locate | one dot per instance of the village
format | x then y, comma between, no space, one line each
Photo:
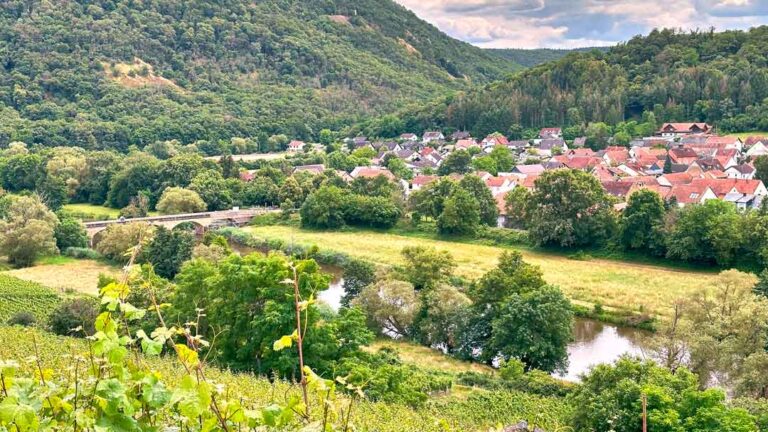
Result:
685,163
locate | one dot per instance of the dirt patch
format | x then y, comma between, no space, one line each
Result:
408,47
339,19
136,75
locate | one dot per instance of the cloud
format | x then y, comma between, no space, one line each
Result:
574,23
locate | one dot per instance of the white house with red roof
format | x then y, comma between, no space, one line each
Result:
499,185
672,130
296,146
551,133
432,136
371,172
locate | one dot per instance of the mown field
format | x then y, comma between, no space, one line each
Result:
616,284
90,212
67,275
475,411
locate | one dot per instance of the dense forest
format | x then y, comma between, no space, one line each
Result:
110,74
535,57
721,78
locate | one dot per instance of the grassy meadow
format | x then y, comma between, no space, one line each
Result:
744,135
621,285
66,274
91,212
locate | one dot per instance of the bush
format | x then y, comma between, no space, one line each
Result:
24,319
82,253
70,233
74,317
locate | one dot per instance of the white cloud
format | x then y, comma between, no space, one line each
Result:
574,23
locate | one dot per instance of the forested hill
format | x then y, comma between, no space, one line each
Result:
111,73
720,78
535,57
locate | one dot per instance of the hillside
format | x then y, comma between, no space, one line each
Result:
534,57
103,74
721,78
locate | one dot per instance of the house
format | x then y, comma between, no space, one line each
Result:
619,189
743,171
709,164
494,140
551,133
460,135
722,187
359,141
517,145
389,146
743,202
616,155
691,194
580,142
499,185
312,169
683,155
466,143
727,157
756,146
420,181
248,175
409,137
681,129
296,146
432,136
585,163
528,170
501,205
675,179
581,152
371,172
550,146
725,142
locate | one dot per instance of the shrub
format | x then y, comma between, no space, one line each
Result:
24,319
74,317
82,253
70,233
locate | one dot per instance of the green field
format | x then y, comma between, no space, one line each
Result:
90,212
478,410
17,295
621,285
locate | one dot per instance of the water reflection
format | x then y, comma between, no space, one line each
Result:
595,343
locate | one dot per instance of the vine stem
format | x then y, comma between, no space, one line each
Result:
300,340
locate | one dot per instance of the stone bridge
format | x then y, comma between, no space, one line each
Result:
201,221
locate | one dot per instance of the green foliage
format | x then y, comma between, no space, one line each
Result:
477,189
357,275
248,295
17,295
458,162
117,240
27,231
710,232
640,222
569,208
324,208
426,267
282,68
168,250
610,399
70,233
74,317
178,200
461,214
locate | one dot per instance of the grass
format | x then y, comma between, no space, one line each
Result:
65,274
254,157
426,357
90,212
625,286
473,411
744,135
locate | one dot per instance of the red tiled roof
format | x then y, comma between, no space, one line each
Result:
678,178
687,194
496,181
722,187
423,180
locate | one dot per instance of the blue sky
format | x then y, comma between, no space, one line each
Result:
578,23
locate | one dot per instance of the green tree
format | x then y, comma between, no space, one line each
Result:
27,231
761,168
489,212
444,312
515,204
503,157
324,208
248,296
458,162
426,267
610,398
639,226
117,240
212,188
291,190
358,274
168,250
70,232
569,208
461,214
178,200
710,232
391,307
597,135
21,172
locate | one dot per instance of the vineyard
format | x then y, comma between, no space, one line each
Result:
18,295
477,411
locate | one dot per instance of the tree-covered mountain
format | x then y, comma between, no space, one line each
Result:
111,73
534,57
721,78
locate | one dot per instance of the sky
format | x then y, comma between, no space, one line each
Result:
579,23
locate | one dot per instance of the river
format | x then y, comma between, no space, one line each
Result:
593,343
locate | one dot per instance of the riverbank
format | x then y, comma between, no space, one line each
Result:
613,286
